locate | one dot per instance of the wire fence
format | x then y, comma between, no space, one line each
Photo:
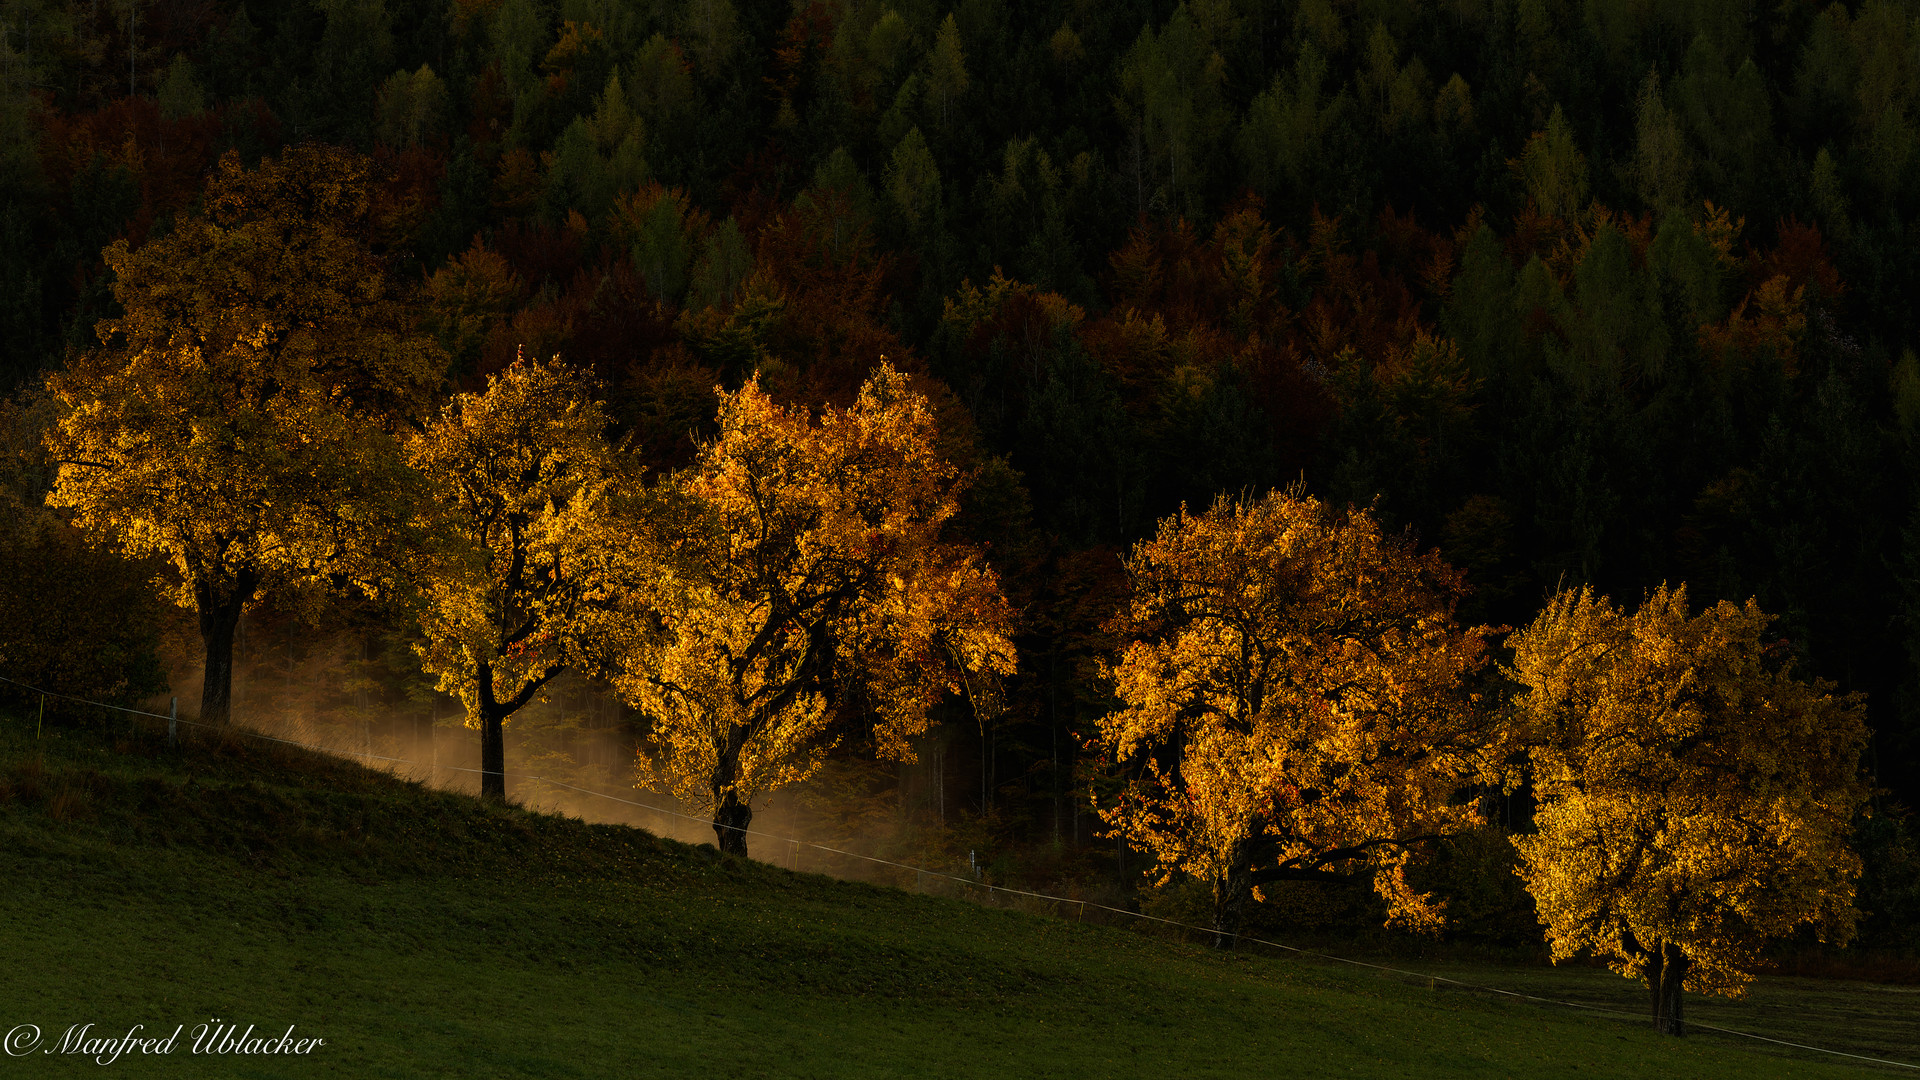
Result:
986,889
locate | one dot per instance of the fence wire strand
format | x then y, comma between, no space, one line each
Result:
1084,905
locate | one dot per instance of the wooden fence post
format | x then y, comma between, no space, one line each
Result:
173,721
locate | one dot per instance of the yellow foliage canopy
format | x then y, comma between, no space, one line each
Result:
235,420
521,539
1293,705
810,560
280,269
230,420
1696,798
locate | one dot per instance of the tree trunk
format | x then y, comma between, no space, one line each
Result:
1666,973
730,816
730,820
493,740
1230,892
219,616
493,756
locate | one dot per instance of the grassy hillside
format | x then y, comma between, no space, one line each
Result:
423,934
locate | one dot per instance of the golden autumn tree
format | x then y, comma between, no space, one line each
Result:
236,420
1696,797
807,568
1292,704
521,534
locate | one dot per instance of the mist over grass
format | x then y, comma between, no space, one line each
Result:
357,692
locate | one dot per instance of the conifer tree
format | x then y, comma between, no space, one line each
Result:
947,80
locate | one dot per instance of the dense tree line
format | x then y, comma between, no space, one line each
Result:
1601,294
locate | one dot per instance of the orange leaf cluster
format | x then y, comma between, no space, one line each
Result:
806,557
1293,707
1696,797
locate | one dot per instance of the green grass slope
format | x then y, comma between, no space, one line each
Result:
421,934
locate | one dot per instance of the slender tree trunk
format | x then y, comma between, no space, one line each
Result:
1230,892
1666,973
731,817
219,616
493,740
493,756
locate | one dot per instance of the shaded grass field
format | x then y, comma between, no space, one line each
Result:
425,934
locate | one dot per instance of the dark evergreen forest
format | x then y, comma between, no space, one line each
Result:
1606,292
